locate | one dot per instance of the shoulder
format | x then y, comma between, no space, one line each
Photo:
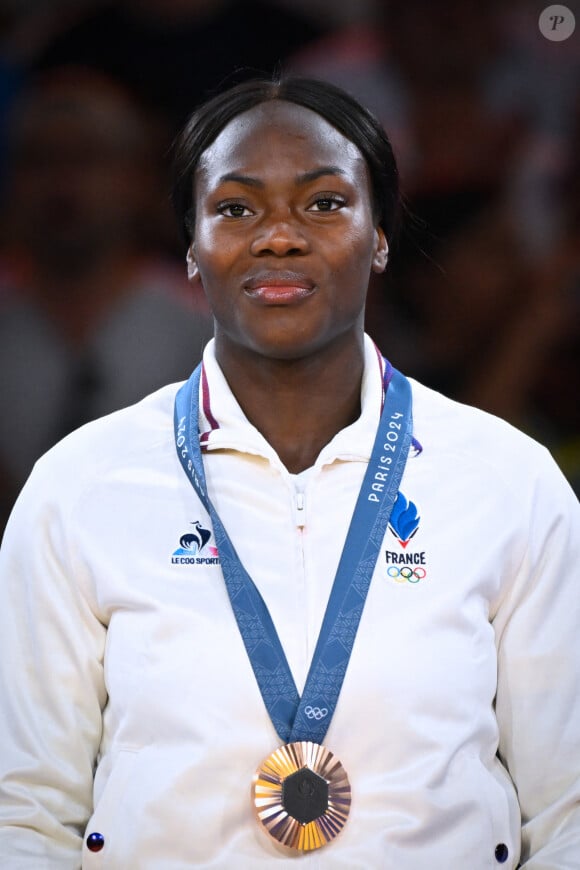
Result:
449,424
477,471
461,439
136,437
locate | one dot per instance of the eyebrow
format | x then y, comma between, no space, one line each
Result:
313,174
303,178
241,179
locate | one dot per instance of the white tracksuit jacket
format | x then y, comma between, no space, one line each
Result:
459,718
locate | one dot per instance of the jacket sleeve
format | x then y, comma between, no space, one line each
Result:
51,684
538,695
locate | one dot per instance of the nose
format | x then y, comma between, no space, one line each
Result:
280,237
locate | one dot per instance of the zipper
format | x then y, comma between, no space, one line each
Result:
299,510
299,504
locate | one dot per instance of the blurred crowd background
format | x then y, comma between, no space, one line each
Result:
482,295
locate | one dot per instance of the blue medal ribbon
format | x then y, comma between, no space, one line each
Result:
309,717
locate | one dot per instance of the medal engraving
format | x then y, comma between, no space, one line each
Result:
301,795
305,795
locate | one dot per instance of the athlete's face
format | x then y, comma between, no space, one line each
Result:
284,239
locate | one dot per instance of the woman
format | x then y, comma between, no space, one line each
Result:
137,642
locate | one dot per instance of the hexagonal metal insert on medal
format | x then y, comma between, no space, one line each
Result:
305,795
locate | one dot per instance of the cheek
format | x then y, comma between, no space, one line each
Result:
353,254
208,258
216,253
360,235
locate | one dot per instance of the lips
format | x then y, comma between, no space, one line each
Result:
279,288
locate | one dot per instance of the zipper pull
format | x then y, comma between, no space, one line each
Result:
299,511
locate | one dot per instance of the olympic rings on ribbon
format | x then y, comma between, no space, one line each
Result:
315,712
406,574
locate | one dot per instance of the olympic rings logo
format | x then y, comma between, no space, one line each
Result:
406,574
315,712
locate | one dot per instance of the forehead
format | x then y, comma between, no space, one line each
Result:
276,135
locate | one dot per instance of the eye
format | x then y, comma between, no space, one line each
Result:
233,210
327,203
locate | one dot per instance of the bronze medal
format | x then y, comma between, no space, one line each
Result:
301,796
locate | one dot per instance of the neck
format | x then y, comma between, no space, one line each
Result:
297,405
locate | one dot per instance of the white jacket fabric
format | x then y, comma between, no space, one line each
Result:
459,718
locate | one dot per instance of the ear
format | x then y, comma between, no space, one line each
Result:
381,254
192,270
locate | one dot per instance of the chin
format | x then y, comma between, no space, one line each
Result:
290,341
293,346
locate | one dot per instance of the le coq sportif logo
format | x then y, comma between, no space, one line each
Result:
195,548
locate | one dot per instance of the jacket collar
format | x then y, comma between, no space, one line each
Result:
223,424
